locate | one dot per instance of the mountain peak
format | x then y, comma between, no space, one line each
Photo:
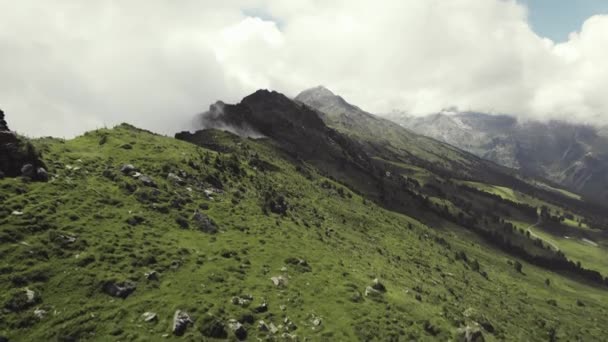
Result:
324,100
315,94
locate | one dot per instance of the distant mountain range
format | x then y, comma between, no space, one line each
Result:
575,156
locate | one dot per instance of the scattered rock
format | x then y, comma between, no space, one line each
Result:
213,327
273,328
61,239
135,220
238,329
261,308
182,223
128,169
147,181
289,325
28,171
262,326
247,319
175,264
289,337
371,292
39,313
181,320
30,295
378,286
204,223
242,300
175,179
316,321
126,147
152,275
42,175
431,328
471,334
279,281
300,265
120,290
21,300
149,316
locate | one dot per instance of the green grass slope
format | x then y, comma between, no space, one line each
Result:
222,225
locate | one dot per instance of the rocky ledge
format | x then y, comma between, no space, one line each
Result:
18,157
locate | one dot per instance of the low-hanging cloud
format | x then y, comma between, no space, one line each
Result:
214,118
69,66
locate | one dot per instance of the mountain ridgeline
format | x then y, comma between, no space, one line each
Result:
409,173
293,219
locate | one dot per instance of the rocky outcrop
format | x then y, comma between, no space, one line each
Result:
17,156
3,124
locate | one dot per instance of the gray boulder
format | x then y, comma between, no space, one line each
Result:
149,316
238,329
279,281
39,313
152,275
128,169
42,175
147,181
175,179
204,223
181,320
470,334
28,171
120,290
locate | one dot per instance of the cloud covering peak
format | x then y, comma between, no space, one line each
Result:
70,66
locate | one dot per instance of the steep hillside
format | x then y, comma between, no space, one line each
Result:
143,237
575,156
436,194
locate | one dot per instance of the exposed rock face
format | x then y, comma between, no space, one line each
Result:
16,155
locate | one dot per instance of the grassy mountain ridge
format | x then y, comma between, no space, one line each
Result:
308,231
441,282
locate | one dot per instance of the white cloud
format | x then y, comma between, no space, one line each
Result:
69,66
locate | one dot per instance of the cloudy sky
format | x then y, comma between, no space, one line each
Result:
67,66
